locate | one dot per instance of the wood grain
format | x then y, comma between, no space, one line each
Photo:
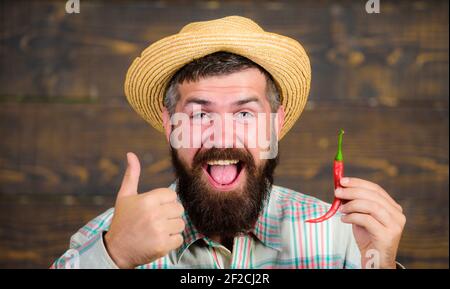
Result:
65,126
48,55
36,229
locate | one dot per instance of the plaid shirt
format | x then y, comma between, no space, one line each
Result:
280,239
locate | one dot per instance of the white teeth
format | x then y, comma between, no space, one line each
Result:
222,162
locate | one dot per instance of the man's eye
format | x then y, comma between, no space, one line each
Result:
244,115
200,115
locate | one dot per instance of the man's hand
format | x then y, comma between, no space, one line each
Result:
378,221
145,226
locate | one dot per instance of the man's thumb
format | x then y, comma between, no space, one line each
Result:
131,178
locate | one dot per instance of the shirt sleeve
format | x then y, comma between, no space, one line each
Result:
352,253
87,249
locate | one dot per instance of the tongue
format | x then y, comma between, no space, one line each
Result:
223,175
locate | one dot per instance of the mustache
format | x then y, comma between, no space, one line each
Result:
214,154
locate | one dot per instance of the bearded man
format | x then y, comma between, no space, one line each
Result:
224,92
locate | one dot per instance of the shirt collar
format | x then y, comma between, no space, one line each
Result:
267,227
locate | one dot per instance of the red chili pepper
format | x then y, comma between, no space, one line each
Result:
338,170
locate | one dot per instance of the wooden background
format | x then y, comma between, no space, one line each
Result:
65,125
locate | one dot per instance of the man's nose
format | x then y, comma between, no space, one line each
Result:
224,131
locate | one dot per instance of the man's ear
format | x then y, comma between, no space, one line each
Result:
280,119
166,123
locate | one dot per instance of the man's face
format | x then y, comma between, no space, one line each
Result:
223,180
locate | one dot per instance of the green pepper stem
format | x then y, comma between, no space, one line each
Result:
339,156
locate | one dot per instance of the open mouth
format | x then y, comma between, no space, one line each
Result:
224,174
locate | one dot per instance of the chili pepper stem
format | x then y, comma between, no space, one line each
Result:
339,156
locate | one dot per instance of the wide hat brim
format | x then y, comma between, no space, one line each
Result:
283,57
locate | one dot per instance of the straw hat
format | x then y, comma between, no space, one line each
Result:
283,57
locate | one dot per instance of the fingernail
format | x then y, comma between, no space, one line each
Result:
129,157
338,191
344,181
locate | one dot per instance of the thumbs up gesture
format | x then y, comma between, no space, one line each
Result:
145,226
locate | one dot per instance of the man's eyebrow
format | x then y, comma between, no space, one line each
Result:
196,100
247,100
201,101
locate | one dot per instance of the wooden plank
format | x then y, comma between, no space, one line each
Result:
76,149
36,229
392,59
